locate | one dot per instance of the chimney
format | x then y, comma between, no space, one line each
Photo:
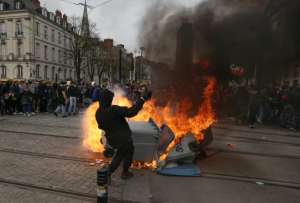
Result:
108,43
36,4
58,13
65,17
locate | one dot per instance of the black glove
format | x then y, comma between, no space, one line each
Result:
147,95
109,152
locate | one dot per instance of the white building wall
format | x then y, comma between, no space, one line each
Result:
31,58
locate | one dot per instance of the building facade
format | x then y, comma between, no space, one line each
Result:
35,44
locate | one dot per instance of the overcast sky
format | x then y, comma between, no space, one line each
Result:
118,19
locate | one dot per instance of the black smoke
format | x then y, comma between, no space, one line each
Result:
261,35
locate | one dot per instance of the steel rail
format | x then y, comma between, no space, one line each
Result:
252,140
40,134
78,195
283,134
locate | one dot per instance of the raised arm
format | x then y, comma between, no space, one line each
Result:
132,111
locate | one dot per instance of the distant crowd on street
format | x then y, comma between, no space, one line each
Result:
274,105
62,99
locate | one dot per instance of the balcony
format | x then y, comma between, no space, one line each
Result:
3,38
19,35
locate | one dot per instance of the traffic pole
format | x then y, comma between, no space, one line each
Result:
102,184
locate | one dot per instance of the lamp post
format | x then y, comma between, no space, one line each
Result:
102,185
120,65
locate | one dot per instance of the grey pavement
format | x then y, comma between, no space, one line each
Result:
42,160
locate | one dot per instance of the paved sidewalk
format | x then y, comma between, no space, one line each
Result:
42,160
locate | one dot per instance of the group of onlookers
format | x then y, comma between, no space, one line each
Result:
279,105
64,98
32,97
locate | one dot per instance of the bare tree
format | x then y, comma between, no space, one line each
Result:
76,46
84,49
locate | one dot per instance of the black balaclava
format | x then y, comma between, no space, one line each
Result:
106,98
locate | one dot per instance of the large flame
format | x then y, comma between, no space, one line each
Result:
92,134
175,116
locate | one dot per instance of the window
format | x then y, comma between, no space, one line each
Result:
18,5
19,28
70,59
59,56
37,29
65,74
2,27
46,52
3,71
37,71
44,12
53,35
46,73
65,57
53,54
59,38
19,72
53,73
58,74
70,43
2,50
2,6
19,50
70,73
58,20
46,32
52,16
38,50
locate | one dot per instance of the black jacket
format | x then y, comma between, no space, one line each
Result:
112,120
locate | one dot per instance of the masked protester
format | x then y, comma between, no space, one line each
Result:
111,119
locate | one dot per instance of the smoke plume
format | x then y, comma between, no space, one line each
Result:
261,35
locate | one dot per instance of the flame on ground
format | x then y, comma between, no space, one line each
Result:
174,116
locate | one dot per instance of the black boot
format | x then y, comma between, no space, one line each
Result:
126,175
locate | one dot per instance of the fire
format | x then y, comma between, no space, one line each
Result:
92,134
174,116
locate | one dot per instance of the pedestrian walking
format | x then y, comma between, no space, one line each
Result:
72,93
61,99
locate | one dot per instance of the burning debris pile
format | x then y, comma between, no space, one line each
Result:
175,117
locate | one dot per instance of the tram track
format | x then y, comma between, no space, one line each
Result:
282,134
251,179
46,155
252,140
270,155
60,191
40,134
88,196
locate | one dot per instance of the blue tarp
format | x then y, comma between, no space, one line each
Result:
187,170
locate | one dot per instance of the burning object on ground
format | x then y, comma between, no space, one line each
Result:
180,161
183,134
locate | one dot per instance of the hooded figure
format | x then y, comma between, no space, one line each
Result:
112,120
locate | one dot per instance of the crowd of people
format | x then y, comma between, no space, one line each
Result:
31,97
279,105
276,105
62,99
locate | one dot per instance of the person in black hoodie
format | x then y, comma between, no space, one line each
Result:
111,119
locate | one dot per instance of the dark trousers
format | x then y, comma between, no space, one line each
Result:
252,115
26,108
124,153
